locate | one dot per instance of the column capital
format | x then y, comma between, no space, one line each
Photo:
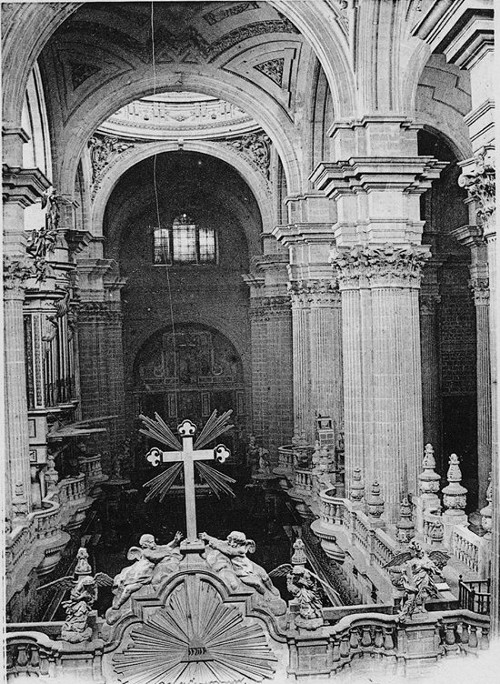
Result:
478,178
318,292
23,186
379,266
16,271
480,288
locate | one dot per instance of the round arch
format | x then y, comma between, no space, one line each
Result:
250,175
97,109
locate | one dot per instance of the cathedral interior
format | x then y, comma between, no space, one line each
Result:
249,277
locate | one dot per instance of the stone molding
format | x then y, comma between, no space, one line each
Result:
98,311
382,266
479,181
24,186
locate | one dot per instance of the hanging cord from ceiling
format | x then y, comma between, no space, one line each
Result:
157,206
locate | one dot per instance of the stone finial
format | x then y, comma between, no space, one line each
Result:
50,473
454,495
357,486
487,511
428,478
374,501
436,532
299,555
405,526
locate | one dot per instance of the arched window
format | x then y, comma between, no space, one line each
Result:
185,242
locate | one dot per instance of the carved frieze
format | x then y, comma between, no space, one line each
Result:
266,308
218,15
104,150
480,184
255,147
385,265
273,69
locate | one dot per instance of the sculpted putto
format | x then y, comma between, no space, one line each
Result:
229,559
152,563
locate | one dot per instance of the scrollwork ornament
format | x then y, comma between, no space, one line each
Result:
16,270
480,184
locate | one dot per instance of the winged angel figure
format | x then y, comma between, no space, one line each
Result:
414,572
82,596
305,586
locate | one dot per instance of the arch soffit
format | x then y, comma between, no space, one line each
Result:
251,177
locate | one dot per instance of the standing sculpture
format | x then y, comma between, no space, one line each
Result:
83,594
414,572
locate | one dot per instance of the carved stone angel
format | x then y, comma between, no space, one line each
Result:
82,596
304,585
151,561
414,572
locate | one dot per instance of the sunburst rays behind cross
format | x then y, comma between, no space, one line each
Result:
184,457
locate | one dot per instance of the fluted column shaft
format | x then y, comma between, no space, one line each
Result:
271,326
326,350
382,370
431,400
16,407
303,420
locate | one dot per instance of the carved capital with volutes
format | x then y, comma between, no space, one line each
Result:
16,270
429,303
384,266
480,288
480,184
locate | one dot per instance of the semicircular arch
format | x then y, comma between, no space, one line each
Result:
250,175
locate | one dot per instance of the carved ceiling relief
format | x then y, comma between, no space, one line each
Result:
273,69
104,151
256,147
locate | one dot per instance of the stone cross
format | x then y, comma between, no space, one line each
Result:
188,456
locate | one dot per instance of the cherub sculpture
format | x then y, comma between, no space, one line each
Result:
414,571
264,462
151,562
83,594
229,559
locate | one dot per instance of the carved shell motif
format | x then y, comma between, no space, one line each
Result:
196,638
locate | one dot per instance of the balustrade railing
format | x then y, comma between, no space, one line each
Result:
475,595
465,546
302,479
285,459
72,488
47,521
31,654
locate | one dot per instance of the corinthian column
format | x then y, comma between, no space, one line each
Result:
15,272
382,372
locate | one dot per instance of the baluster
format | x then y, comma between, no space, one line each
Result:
336,649
464,634
388,638
35,657
11,656
379,638
44,665
354,640
22,655
472,636
485,638
344,645
366,639
449,635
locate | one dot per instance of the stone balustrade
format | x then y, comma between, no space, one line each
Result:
72,488
340,643
47,522
302,480
471,550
